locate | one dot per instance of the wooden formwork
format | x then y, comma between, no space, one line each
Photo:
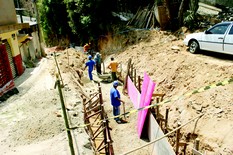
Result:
97,124
161,119
95,119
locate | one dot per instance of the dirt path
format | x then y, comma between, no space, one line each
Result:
23,116
29,124
124,136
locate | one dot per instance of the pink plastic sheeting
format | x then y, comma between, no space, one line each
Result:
147,91
133,93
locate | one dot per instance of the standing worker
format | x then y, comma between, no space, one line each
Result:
97,59
87,47
113,66
91,65
116,102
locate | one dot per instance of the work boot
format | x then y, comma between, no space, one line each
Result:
123,121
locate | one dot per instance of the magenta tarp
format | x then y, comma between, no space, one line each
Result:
133,93
147,91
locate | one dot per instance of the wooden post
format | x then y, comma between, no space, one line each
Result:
158,114
139,84
135,78
124,110
110,147
196,144
158,139
65,117
157,107
68,58
103,67
185,147
131,72
102,118
166,119
177,138
58,69
126,77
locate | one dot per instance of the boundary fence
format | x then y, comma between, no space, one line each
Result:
155,112
93,111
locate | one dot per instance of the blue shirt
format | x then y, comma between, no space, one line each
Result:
90,64
114,94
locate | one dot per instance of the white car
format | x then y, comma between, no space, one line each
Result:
218,38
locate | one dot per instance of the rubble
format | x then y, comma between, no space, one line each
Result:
207,18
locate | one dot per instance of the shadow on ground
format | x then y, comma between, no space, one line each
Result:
217,55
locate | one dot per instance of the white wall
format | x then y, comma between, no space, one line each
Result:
36,44
161,147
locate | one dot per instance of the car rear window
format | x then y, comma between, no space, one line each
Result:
219,29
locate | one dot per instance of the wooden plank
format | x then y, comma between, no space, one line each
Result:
182,143
93,114
97,134
160,95
194,151
91,98
210,7
148,22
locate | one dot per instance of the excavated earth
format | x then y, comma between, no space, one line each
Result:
31,124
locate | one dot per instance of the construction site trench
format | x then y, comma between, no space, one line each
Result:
31,122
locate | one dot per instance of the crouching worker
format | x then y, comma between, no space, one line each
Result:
116,102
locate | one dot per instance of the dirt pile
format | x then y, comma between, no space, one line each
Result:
165,58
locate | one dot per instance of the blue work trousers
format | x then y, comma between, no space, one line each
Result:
116,111
90,75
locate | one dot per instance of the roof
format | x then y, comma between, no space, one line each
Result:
13,27
23,38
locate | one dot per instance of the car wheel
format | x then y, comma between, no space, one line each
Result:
193,47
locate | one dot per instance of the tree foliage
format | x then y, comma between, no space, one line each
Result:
82,20
87,18
53,20
190,15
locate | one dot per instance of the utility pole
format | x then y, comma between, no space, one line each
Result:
20,11
38,26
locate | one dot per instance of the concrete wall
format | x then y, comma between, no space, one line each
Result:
7,12
161,147
25,53
36,44
32,50
228,3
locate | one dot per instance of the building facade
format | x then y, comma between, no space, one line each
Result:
10,60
